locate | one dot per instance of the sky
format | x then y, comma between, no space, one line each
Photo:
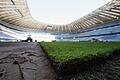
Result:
62,11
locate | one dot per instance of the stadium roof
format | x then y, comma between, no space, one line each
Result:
16,12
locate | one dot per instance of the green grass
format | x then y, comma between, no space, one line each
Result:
65,51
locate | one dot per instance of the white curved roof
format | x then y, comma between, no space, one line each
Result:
16,12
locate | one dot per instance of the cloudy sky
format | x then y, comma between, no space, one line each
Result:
62,11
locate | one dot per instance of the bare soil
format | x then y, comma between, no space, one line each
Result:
24,61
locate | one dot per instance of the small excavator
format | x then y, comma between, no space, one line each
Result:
29,39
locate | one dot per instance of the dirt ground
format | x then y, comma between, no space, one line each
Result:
24,61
